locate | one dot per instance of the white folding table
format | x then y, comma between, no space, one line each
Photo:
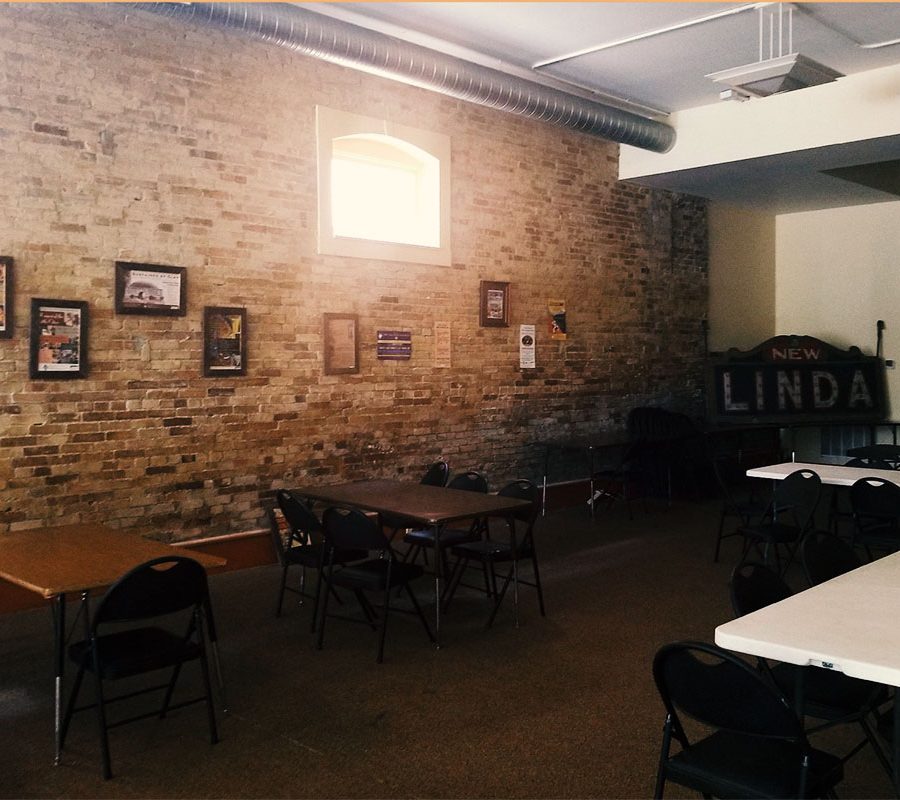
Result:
848,624
828,473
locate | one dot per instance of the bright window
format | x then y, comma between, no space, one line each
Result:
383,190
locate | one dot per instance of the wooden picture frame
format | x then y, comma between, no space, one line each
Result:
494,304
150,289
224,341
6,297
341,343
58,346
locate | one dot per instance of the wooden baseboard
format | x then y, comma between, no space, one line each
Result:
255,549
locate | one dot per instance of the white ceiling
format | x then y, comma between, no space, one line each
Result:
675,46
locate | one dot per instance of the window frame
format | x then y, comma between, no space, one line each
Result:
332,124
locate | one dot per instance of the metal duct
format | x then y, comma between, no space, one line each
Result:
353,46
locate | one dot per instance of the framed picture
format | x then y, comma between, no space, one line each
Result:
341,344
494,304
6,297
58,347
150,289
224,341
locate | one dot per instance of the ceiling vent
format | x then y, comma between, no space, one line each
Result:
777,73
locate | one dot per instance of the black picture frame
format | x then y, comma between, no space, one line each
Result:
494,305
150,289
224,341
341,343
58,349
6,297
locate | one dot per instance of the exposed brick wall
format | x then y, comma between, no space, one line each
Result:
127,136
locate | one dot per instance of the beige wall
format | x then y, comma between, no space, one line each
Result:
127,136
837,274
741,277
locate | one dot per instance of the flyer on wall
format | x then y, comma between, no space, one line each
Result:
526,346
59,348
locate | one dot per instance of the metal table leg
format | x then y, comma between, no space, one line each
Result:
59,661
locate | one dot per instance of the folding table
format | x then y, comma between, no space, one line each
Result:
430,506
848,624
77,559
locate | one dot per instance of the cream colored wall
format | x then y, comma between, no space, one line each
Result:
741,277
836,275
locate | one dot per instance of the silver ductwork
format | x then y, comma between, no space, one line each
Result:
353,46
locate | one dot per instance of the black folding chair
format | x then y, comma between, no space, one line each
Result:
168,596
876,514
381,572
303,546
824,556
790,515
517,547
757,747
437,474
745,510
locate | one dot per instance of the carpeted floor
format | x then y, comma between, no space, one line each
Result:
561,707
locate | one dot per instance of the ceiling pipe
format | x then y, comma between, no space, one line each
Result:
353,46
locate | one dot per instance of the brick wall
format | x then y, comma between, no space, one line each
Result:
125,136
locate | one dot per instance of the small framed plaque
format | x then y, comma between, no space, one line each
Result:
494,304
150,289
224,341
341,344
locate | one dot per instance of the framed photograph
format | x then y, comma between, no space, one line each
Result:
150,289
6,297
58,347
224,341
341,344
494,304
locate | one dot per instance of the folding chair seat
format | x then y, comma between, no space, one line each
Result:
512,550
830,697
151,619
420,540
876,514
379,574
757,747
790,515
302,547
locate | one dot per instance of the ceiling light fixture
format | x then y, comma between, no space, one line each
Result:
777,73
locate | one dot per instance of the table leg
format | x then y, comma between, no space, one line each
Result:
895,744
437,587
544,485
59,661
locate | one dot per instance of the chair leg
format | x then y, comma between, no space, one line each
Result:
418,609
719,538
284,572
170,690
204,667
384,618
70,706
537,584
324,615
101,717
316,600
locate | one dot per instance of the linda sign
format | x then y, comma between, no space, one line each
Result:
797,378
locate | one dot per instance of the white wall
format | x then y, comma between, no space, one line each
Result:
838,272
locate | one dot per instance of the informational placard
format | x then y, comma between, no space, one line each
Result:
442,353
526,346
393,345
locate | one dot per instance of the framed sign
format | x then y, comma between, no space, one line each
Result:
6,297
494,304
341,344
150,289
224,341
58,347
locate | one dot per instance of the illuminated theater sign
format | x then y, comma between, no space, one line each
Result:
796,379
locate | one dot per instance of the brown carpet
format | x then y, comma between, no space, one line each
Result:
563,706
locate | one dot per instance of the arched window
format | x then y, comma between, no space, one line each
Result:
384,190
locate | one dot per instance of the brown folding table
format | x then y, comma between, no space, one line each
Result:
77,559
430,506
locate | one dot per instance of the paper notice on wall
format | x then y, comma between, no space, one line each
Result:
442,345
526,346
557,309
